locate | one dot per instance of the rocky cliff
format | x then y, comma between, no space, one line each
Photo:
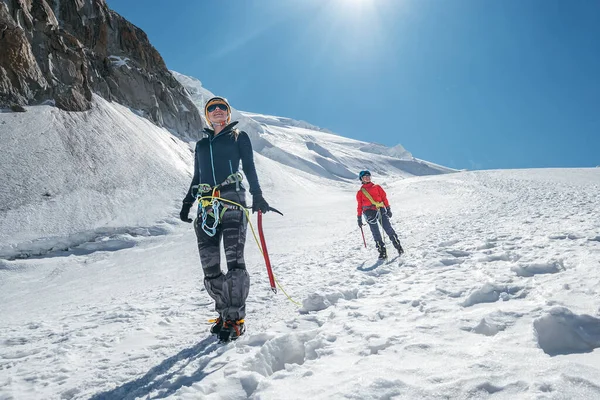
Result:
62,51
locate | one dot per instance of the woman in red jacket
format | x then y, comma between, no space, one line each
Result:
373,203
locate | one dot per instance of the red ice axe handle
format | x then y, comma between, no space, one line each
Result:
363,235
265,252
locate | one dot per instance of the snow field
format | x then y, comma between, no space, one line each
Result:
497,295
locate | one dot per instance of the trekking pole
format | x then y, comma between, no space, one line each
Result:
363,235
263,243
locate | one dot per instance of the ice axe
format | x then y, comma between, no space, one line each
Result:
265,252
363,235
275,210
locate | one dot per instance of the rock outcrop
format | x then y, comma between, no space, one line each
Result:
62,51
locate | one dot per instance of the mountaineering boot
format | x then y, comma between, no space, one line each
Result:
400,250
217,326
397,245
231,330
382,251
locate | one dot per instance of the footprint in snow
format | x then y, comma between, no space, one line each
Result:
458,253
451,261
448,243
494,323
563,236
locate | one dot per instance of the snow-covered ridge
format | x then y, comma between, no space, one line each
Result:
282,121
397,151
314,150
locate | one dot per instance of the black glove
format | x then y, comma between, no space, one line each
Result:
259,204
360,221
185,211
388,212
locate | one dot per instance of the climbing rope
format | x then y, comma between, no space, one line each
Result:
217,199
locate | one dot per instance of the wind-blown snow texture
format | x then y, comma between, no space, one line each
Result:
497,295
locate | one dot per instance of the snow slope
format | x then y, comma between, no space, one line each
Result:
315,150
74,177
497,297
84,180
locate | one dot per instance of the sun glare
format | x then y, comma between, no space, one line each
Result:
346,35
355,5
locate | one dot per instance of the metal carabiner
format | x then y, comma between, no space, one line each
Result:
211,230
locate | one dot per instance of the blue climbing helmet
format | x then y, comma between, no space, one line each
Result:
363,173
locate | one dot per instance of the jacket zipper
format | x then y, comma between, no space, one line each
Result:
212,162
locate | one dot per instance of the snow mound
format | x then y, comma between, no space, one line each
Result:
550,267
495,322
293,348
320,301
490,293
563,332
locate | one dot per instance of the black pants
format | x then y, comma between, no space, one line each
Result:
229,290
372,217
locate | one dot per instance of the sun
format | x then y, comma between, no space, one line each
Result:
356,4
355,9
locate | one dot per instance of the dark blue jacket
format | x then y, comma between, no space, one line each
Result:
217,157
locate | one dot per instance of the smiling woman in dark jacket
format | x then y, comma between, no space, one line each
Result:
216,174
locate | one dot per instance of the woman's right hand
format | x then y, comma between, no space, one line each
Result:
185,211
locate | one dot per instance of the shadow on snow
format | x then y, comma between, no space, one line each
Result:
167,377
365,267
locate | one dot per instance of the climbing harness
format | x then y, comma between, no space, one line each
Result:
210,207
210,203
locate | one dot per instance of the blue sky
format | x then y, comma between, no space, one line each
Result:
476,84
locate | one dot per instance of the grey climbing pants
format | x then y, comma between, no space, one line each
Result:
229,290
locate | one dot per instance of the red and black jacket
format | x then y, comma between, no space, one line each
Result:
376,192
